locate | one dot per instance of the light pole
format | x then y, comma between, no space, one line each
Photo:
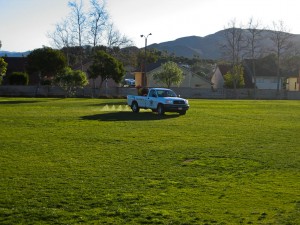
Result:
144,77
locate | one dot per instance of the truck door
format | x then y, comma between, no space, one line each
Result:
151,102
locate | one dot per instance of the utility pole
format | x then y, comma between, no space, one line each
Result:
144,75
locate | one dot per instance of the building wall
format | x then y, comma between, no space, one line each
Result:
138,78
267,83
217,80
292,84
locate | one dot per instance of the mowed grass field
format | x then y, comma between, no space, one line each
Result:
93,161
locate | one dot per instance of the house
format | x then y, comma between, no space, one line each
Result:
191,80
293,83
217,79
265,71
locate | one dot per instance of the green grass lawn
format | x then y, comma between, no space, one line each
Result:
93,161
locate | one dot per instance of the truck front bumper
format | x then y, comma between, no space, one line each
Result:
175,108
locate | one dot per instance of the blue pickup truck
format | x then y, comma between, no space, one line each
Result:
159,100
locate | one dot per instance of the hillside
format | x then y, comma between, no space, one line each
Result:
207,47
13,54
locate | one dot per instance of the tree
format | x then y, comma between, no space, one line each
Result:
128,56
71,32
149,56
115,38
233,47
82,28
291,64
46,61
234,43
106,67
254,36
79,25
77,20
235,77
170,74
62,37
3,69
71,80
98,17
282,43
203,68
18,78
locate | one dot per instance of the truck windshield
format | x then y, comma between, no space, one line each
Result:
166,93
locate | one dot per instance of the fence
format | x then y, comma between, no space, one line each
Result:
121,92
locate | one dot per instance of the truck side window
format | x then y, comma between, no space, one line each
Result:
153,94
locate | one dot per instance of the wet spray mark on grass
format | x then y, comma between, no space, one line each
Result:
115,108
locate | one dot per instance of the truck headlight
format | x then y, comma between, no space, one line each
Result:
187,102
169,102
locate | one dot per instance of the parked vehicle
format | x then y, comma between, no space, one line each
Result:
159,100
129,83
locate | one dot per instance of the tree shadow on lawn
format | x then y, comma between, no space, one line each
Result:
128,116
17,102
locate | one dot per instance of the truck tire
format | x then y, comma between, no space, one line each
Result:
182,112
160,109
135,107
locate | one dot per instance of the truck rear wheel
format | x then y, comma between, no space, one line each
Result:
160,109
135,107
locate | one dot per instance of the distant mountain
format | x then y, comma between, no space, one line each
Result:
207,47
14,54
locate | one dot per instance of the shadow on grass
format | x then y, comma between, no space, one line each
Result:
128,116
16,102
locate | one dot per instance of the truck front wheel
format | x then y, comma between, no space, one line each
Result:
135,107
160,109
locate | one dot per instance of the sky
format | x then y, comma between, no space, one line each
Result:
24,24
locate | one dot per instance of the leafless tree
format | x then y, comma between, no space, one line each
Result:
254,37
78,21
62,36
282,43
83,28
98,18
79,25
233,45
115,38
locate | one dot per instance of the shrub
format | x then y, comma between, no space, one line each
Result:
235,77
18,78
3,68
142,91
70,80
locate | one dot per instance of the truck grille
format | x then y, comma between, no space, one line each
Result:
179,102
